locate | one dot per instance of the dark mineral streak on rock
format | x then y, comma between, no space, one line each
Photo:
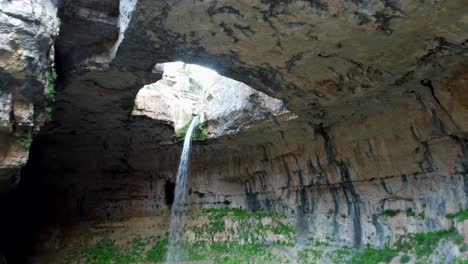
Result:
336,204
463,160
251,197
212,10
352,198
378,229
428,84
289,178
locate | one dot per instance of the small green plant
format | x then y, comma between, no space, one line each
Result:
240,214
373,256
210,97
463,248
423,244
24,142
51,79
249,227
421,215
389,213
409,212
311,256
199,133
158,251
458,260
459,216
104,251
341,255
319,243
405,259
48,113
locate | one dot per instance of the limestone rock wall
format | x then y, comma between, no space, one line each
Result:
27,32
337,181
230,106
225,105
377,90
162,103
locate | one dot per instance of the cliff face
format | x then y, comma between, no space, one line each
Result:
377,90
27,32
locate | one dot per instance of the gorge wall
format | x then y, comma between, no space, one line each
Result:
27,31
376,89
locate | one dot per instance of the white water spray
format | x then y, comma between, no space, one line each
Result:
175,250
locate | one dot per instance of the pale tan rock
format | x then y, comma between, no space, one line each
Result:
27,32
462,229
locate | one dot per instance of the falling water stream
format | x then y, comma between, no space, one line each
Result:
175,250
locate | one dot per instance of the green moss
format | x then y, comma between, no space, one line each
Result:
463,248
459,216
248,227
405,259
374,256
24,142
104,251
421,244
409,212
421,215
218,252
421,261
48,113
424,244
319,243
247,241
309,256
158,251
389,213
51,79
283,229
460,261
200,132
341,255
135,252
233,253
240,214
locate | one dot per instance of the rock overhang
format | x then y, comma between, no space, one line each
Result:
378,88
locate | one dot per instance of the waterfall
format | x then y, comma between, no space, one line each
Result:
175,250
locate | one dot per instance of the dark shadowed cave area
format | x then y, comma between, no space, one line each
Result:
329,131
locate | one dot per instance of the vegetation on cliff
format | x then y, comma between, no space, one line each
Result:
231,236
199,133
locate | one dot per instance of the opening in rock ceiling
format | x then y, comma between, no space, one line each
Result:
225,106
